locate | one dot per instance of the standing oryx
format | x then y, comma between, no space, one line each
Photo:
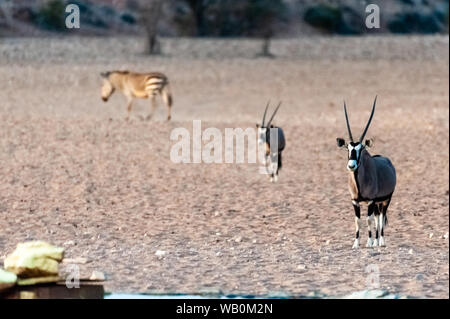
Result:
273,139
138,85
371,179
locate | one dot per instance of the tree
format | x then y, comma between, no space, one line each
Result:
199,9
151,13
5,12
231,18
262,15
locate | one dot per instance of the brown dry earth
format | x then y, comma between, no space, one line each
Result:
76,174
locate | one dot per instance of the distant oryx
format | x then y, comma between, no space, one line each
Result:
270,135
138,85
371,179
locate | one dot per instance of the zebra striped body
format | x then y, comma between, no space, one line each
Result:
138,85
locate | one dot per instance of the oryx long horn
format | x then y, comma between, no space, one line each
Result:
275,112
264,117
348,124
370,120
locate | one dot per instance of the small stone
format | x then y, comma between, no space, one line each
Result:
410,251
216,213
97,276
79,260
446,235
419,277
301,267
327,242
255,241
430,236
69,243
238,239
160,253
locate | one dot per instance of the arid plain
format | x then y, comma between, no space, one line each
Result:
76,174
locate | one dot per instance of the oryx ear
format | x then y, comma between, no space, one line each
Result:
369,143
340,142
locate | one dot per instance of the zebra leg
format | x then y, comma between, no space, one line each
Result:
129,106
357,209
154,105
167,98
383,219
370,216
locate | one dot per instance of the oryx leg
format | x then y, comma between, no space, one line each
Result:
274,166
154,105
376,219
370,218
382,221
357,209
271,170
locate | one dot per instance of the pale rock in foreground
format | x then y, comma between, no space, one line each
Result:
7,279
34,259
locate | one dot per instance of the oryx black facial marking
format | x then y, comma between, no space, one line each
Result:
273,139
372,180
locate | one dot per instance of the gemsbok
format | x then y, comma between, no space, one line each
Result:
138,85
371,180
273,139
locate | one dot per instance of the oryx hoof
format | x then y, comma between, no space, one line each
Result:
356,244
271,179
375,243
275,178
369,242
381,242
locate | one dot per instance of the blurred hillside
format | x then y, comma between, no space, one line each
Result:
224,18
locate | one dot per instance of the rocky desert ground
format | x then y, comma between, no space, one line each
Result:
76,174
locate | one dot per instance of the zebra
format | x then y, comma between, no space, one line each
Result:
272,154
137,85
371,180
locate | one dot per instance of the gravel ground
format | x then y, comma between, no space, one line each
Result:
76,174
